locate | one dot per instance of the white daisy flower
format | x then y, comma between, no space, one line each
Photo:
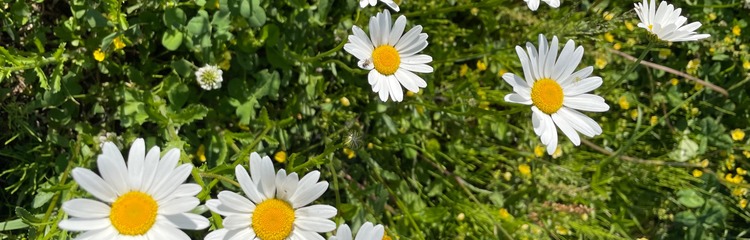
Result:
274,206
391,57
390,3
534,4
555,91
144,200
666,23
209,77
366,232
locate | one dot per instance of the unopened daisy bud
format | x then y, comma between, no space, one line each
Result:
209,77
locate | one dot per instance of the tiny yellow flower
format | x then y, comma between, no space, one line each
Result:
664,53
631,42
386,237
350,153
609,37
634,114
481,66
738,134
608,16
741,171
409,93
501,72
617,46
654,120
201,153
539,151
524,169
746,153
504,214
507,176
474,11
601,62
99,55
746,65
736,179
119,44
674,81
280,156
736,30
629,25
739,191
704,163
728,39
692,66
697,173
344,101
370,145
712,49
562,230
712,16
464,69
558,152
742,203
623,101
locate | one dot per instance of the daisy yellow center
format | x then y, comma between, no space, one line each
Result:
386,59
133,213
273,219
651,27
547,95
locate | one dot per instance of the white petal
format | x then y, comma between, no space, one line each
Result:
136,158
416,59
216,206
314,224
397,94
166,231
150,166
580,122
516,98
288,187
319,210
533,4
112,168
238,221
305,196
551,58
178,205
187,190
94,184
247,185
586,102
566,128
218,234
268,178
420,68
398,29
582,86
240,234
410,38
305,235
164,190
189,221
235,201
86,208
408,80
344,232
84,224
164,170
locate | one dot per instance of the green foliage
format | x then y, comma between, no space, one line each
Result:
443,164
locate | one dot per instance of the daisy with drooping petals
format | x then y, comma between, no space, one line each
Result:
556,92
390,3
144,200
666,23
274,206
366,232
534,4
391,57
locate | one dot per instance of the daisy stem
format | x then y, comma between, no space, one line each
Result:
63,178
630,69
335,183
220,177
319,159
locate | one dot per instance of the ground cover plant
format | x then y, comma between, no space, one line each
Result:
349,119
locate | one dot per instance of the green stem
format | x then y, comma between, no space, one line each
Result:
63,178
632,67
220,177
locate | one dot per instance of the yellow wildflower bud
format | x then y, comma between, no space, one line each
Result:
280,156
539,151
504,214
503,71
601,62
736,30
738,134
481,66
634,114
201,153
741,171
608,16
344,101
704,163
742,203
674,81
609,37
119,44
739,191
697,173
409,93
507,176
624,104
712,16
746,153
654,120
524,169
562,230
99,55
629,25
350,153
464,69
474,11
746,65
617,46
460,217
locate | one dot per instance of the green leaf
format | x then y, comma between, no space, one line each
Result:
174,17
13,225
178,95
253,12
172,39
686,218
95,18
198,25
690,198
189,114
686,150
182,67
27,217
